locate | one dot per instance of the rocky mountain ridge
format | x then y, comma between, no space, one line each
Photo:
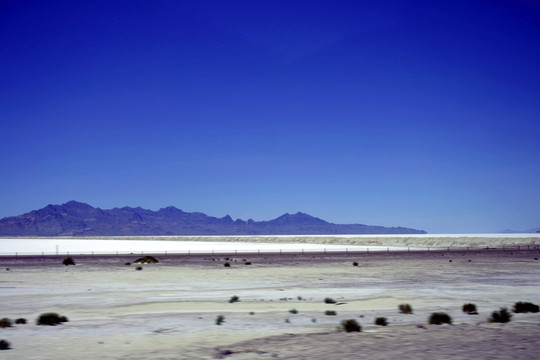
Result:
79,219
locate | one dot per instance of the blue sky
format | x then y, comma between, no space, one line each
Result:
399,113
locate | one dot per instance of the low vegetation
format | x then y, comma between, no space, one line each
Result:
350,326
469,309
501,316
405,309
329,301
355,263
147,260
138,268
50,319
220,319
20,321
4,345
438,318
293,311
234,299
525,307
381,321
227,264
68,261
330,313
5,322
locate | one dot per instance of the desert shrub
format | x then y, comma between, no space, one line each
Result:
20,321
138,268
405,309
501,316
5,322
293,311
350,326
469,309
227,264
147,260
4,345
381,321
330,313
127,264
525,307
247,263
220,319
50,319
68,261
355,263
234,299
329,301
440,318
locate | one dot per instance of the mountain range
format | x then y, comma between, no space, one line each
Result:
528,231
79,219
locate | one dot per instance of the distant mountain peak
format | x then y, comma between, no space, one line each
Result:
75,203
80,219
298,217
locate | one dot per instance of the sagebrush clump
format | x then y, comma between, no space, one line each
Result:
147,260
234,299
501,316
20,321
525,307
329,301
51,319
350,326
220,319
440,318
68,261
330,313
381,321
5,322
469,309
4,345
405,309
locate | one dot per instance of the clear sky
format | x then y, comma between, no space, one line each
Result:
423,114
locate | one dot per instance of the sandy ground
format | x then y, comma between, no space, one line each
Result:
168,310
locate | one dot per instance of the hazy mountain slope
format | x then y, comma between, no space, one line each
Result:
80,219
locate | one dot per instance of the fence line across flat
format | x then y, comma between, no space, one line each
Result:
285,251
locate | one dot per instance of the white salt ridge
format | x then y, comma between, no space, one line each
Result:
264,244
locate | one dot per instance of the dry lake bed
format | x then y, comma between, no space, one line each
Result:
169,310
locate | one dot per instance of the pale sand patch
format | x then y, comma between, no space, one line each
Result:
516,340
168,310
